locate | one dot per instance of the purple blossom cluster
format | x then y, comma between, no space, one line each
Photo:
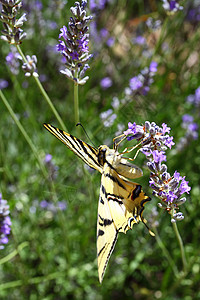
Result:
191,132
5,222
153,141
73,44
188,122
195,99
171,6
193,12
48,206
153,24
108,117
52,168
100,37
151,136
30,67
12,60
12,33
140,84
96,5
60,205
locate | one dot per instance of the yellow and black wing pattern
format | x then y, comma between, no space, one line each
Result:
83,150
121,202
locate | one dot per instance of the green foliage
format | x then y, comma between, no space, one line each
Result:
52,254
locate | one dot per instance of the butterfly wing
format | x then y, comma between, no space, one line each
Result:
83,150
121,204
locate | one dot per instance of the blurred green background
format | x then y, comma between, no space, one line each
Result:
51,252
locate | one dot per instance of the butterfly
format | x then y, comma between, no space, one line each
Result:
121,201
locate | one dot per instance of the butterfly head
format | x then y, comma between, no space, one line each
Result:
102,154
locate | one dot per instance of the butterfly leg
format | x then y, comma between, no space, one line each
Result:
115,145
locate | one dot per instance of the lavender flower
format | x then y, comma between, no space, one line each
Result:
193,13
30,67
106,82
3,84
73,44
52,168
151,136
191,132
153,24
188,123
61,205
108,117
139,40
171,6
154,140
12,33
96,5
5,222
12,60
195,99
140,84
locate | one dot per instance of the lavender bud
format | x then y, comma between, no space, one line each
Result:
178,216
151,166
30,67
83,80
160,205
165,176
67,73
155,187
173,184
147,125
158,144
163,168
180,201
152,130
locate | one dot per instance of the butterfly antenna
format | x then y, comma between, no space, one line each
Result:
79,124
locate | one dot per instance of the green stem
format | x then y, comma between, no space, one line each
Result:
34,280
76,102
181,246
46,97
24,133
13,253
166,252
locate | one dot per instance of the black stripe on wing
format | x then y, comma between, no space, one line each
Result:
83,150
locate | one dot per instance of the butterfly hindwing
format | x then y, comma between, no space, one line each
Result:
121,204
106,233
85,151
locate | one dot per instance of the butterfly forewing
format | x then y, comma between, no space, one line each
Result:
85,151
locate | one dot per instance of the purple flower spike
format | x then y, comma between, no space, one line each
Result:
51,167
191,127
153,142
171,6
73,43
140,84
12,33
5,222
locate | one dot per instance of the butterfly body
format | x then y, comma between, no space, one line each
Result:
121,201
